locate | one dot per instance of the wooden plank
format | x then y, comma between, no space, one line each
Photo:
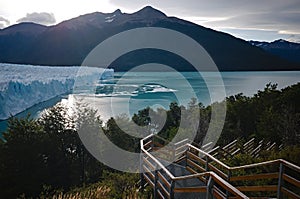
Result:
149,164
190,190
194,157
148,180
180,147
218,171
181,158
179,153
236,151
209,156
291,180
215,154
290,193
230,144
147,144
225,185
149,172
182,141
247,143
160,194
217,194
196,166
163,189
206,145
258,188
290,165
149,149
213,150
255,177
203,179
165,181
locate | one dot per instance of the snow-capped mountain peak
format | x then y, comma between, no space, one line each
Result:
282,48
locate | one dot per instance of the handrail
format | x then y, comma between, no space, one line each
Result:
254,165
182,141
286,163
251,140
214,176
156,161
197,175
230,144
290,165
221,181
214,149
228,186
210,156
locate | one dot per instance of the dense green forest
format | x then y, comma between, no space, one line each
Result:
43,157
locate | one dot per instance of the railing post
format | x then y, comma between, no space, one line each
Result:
155,183
280,181
228,180
152,144
173,148
142,172
186,157
206,164
209,191
172,195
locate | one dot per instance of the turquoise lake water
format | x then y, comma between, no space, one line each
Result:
129,92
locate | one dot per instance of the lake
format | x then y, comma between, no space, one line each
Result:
132,91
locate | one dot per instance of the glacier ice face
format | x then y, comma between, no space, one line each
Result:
22,86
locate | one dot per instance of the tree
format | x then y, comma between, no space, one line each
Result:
44,152
22,158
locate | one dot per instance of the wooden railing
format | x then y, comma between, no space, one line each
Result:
165,184
277,178
251,147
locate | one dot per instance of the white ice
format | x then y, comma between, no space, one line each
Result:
22,86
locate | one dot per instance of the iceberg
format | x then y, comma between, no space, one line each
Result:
22,86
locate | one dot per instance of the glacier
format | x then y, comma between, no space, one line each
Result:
22,86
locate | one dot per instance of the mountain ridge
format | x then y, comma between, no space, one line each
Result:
282,48
69,42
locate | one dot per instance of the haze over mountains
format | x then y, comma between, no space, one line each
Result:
69,42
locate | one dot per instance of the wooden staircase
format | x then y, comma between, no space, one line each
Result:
252,147
181,170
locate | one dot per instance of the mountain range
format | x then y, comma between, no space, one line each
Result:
69,42
282,48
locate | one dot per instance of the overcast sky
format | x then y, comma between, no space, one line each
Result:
248,19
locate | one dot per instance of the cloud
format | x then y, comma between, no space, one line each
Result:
4,22
282,22
294,38
244,13
213,8
40,18
279,17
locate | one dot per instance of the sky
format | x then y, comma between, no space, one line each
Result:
262,20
